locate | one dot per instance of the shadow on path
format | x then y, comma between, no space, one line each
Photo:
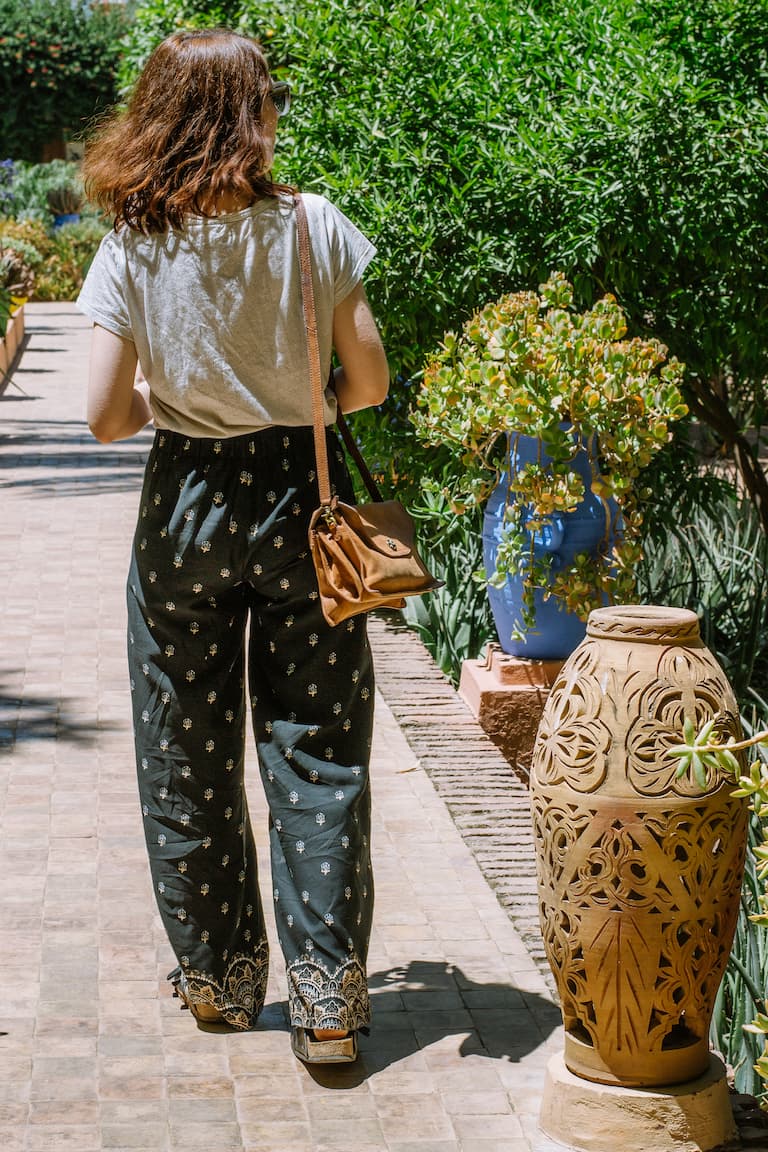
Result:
60,457
26,717
494,1020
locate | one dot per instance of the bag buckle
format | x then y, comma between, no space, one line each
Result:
328,515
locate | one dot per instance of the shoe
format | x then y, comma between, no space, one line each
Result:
203,1013
312,1051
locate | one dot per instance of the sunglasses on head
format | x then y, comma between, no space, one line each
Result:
280,95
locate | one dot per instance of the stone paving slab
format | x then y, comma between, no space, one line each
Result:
94,1052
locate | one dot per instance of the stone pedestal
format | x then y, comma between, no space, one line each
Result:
692,1117
506,694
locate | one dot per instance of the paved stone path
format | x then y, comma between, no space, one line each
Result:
94,1052
486,797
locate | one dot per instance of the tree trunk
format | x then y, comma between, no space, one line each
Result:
708,406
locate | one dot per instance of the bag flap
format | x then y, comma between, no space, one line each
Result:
384,526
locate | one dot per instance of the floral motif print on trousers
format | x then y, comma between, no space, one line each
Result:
220,564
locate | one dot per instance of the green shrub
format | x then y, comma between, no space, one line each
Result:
57,69
64,256
59,257
74,247
482,144
29,253
158,18
31,234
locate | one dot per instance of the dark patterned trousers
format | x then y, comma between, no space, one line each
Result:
220,568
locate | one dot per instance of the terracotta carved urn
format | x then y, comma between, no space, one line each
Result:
639,873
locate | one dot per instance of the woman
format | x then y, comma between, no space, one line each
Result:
199,283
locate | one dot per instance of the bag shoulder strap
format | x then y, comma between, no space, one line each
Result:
313,352
315,374
351,446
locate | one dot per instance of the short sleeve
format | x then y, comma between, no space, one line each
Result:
350,252
103,295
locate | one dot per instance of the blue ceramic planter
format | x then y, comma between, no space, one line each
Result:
557,631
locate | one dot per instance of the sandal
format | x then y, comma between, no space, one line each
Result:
312,1051
203,1013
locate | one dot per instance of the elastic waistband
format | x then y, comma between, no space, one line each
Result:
250,446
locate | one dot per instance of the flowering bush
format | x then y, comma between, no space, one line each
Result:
57,68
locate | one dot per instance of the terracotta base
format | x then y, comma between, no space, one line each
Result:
506,694
692,1117
638,1069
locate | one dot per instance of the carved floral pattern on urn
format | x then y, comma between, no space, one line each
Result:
639,872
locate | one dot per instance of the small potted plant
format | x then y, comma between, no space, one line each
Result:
556,414
65,202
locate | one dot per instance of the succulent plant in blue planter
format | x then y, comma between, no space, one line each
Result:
563,519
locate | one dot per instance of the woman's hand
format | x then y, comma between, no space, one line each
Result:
363,378
118,394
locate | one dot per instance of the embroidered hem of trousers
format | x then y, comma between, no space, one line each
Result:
220,567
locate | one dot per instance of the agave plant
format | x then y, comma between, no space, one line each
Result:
739,1010
715,562
454,622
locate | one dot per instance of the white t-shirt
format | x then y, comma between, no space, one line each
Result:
215,312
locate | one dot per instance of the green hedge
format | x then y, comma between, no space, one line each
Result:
156,19
482,143
57,69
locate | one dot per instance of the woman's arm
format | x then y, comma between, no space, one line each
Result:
118,405
363,378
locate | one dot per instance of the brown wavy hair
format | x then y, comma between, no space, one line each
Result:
192,130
